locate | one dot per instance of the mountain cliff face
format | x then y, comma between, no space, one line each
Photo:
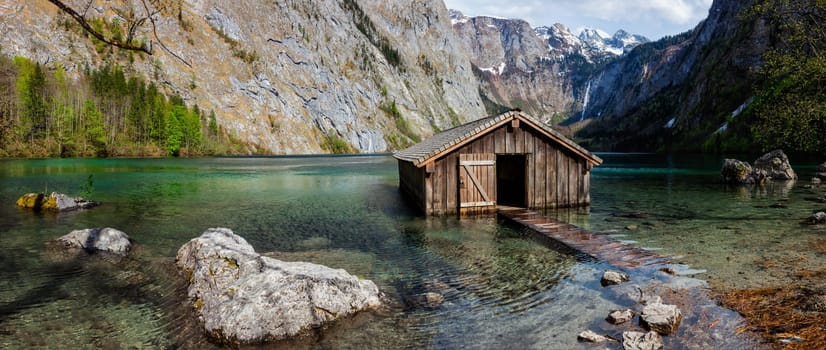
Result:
282,75
288,76
540,70
674,93
622,92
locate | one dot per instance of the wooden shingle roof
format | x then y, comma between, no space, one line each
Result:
448,140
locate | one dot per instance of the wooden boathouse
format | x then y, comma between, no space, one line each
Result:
509,159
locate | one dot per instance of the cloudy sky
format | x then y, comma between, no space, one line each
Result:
651,18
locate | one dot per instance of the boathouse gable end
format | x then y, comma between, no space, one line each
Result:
507,159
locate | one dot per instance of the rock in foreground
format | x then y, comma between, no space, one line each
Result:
242,297
776,165
98,239
661,318
641,341
54,201
591,337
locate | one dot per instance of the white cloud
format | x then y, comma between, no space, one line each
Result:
652,18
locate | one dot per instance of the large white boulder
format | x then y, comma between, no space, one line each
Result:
243,297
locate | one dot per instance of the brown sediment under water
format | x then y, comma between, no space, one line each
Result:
502,286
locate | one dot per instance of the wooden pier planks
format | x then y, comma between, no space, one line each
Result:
597,245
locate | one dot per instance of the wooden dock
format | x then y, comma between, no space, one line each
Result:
597,245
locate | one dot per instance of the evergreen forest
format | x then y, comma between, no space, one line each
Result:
101,112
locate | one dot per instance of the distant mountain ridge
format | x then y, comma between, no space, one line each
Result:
590,43
541,70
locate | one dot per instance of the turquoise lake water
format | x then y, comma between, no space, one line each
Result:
502,286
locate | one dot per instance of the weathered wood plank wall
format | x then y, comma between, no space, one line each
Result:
554,176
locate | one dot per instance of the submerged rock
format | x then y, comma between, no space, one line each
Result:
820,171
611,277
242,297
641,341
54,201
428,300
818,218
737,172
105,239
776,166
661,318
668,270
591,337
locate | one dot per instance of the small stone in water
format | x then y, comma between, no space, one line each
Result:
661,318
611,277
668,270
818,218
794,339
620,316
428,300
591,337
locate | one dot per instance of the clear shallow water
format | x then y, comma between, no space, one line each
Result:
502,287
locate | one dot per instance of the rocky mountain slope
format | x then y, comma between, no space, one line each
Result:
294,77
541,70
283,75
694,91
673,94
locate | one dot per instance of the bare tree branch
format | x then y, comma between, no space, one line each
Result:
85,24
132,27
155,32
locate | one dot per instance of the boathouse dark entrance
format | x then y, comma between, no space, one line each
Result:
511,179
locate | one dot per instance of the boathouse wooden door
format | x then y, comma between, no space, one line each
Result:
477,183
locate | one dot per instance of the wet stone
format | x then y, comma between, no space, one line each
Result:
611,278
53,202
591,337
661,318
775,165
428,300
668,270
641,341
818,218
737,172
620,316
105,239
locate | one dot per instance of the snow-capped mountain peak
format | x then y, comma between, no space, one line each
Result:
457,17
617,44
590,43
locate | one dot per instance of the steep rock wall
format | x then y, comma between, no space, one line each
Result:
283,74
